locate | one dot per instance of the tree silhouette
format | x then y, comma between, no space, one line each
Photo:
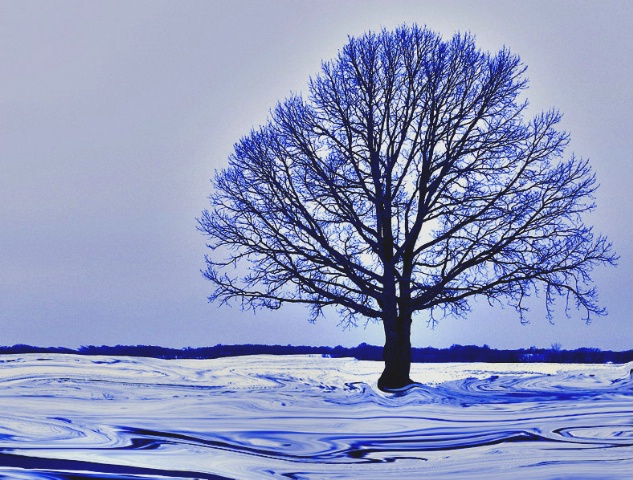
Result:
406,180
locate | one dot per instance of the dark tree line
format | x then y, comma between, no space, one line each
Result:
407,180
456,353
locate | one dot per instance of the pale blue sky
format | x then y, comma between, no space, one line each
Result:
114,115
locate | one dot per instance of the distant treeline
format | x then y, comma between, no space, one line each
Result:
456,353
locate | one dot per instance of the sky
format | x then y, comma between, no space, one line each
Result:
115,115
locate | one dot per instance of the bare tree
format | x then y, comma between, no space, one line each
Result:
408,180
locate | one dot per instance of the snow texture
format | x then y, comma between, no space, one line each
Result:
262,417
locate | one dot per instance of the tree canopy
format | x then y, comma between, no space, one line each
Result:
407,179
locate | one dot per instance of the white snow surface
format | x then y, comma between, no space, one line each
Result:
306,416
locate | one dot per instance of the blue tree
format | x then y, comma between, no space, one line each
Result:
407,180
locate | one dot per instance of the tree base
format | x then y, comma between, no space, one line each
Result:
395,385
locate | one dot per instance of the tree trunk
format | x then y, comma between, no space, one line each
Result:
397,354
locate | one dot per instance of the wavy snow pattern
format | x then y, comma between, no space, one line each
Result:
301,417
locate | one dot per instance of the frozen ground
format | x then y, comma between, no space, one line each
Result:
261,417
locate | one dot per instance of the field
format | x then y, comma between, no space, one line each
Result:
306,416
